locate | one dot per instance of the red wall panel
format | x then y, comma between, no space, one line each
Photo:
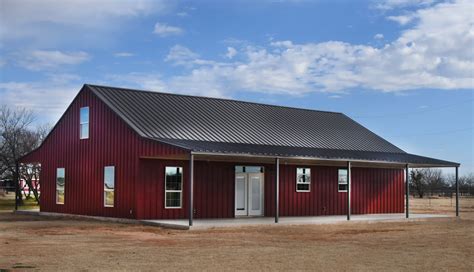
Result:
373,191
213,190
111,142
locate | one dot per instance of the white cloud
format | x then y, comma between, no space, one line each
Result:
401,19
48,99
163,30
49,22
182,14
37,60
183,56
180,55
435,52
396,4
147,81
231,52
123,54
378,36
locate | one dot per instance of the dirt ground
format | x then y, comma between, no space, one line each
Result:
36,243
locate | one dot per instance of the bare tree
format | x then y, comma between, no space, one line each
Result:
418,182
30,172
466,183
16,140
434,180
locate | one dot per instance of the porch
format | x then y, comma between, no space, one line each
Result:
374,188
202,224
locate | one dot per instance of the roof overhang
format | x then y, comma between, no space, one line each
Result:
313,160
304,155
293,160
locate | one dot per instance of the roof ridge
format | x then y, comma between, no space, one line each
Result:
210,98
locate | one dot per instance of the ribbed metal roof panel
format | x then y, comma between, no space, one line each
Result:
182,117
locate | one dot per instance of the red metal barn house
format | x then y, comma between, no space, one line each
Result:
146,155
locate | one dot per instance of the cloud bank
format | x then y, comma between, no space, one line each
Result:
435,52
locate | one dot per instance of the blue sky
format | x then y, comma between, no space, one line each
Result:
402,68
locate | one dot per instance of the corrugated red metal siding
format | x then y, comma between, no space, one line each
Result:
111,142
213,190
151,190
214,195
378,190
374,190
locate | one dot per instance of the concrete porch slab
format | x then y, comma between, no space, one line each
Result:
182,224
301,220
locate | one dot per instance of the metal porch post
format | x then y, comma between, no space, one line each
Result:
457,191
277,188
191,187
17,185
349,190
407,192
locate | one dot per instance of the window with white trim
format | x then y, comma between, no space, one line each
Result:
342,180
84,123
303,179
60,182
173,187
109,186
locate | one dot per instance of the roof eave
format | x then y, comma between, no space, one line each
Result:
402,164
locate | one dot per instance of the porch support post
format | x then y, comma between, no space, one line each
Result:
191,187
17,185
407,192
277,189
457,191
349,190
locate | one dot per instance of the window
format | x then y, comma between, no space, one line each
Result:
60,182
84,123
109,186
248,169
173,187
303,179
342,180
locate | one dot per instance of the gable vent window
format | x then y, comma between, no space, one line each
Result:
303,179
84,123
342,180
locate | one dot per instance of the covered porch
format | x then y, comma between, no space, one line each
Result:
278,157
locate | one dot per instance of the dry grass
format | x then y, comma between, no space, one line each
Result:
443,206
45,244
7,203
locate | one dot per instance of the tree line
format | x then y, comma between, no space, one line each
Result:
429,181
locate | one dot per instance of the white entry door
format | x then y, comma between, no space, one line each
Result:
241,194
249,194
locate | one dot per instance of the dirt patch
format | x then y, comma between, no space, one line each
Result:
439,244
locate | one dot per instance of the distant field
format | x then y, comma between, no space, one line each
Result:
431,245
443,205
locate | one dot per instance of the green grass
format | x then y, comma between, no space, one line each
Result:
7,203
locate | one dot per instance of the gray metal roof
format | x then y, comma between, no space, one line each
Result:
223,125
